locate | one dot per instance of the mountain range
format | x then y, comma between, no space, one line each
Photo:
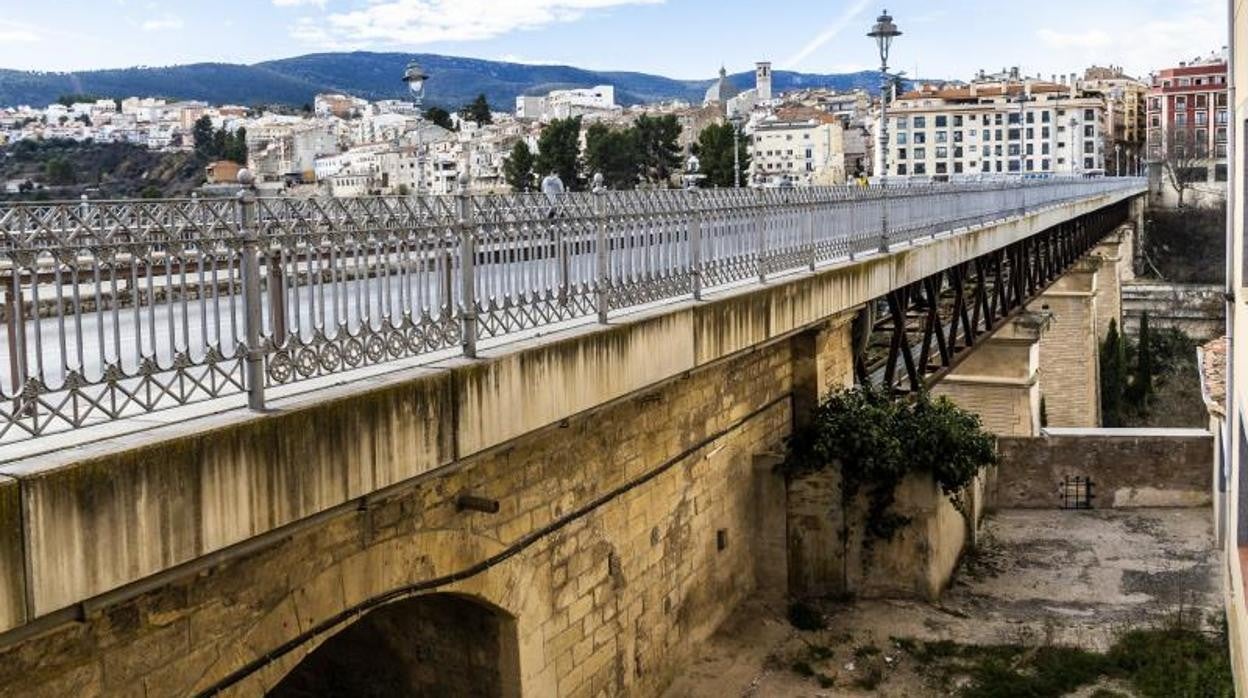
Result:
453,81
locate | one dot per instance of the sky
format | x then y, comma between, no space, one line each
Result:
676,38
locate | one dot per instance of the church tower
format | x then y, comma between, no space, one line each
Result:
762,81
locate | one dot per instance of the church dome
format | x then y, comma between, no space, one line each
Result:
721,90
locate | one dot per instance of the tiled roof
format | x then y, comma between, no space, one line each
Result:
956,93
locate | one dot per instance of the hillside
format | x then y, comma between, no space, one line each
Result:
369,75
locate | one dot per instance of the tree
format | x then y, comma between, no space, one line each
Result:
658,147
614,154
220,143
1184,160
440,117
58,171
1142,382
518,167
204,137
559,149
1113,377
714,151
236,147
477,110
84,119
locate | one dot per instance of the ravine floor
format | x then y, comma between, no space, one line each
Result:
1038,576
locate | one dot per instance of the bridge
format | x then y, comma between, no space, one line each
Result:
250,444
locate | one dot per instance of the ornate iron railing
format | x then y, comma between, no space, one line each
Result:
114,309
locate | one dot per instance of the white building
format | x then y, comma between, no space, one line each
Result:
985,128
563,104
800,147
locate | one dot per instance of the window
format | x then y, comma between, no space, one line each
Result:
1089,131
920,168
1202,101
1089,114
1089,146
1031,165
942,121
1220,117
1031,133
1013,165
957,151
1045,116
901,168
901,138
920,122
901,153
1013,119
920,153
974,133
1000,135
1044,150
987,120
1045,132
1044,164
920,137
987,167
957,136
1202,135
1154,104
957,120
1180,119
942,136
942,168
1202,118
1089,164
1031,117
1015,133
996,119
1219,173
987,135
942,152
957,168
1220,134
1180,102
1014,150
1029,149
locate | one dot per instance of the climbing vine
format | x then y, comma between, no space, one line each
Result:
876,441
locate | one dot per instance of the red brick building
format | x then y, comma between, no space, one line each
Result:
1188,117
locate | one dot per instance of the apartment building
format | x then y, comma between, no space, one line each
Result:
562,104
997,127
797,146
1188,118
1125,115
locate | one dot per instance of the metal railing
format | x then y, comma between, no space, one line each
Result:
114,309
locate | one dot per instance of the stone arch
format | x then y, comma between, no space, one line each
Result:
439,644
389,572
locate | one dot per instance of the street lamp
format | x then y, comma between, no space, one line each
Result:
736,120
1118,159
884,32
415,77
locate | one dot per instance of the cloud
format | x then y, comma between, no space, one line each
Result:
1197,28
18,33
428,21
166,23
299,3
829,33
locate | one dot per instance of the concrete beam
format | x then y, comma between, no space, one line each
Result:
12,557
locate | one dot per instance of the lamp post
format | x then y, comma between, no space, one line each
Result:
1118,159
736,121
415,78
884,32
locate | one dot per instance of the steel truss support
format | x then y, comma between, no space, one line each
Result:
926,328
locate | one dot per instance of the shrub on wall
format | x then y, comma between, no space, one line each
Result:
875,442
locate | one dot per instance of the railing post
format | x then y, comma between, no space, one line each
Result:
467,266
695,242
760,236
600,248
252,318
884,213
808,217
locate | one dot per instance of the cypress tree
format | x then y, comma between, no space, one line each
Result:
1142,385
1113,377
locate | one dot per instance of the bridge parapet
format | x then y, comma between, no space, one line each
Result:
119,309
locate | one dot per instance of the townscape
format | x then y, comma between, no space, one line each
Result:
370,372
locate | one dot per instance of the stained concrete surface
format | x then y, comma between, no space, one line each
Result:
1039,576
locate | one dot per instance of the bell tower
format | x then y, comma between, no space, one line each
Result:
762,80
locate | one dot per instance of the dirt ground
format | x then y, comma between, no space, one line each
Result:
1039,577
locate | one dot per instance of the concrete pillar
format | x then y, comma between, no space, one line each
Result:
999,380
1069,351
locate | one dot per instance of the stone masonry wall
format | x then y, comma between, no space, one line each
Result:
1069,373
1128,467
610,601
